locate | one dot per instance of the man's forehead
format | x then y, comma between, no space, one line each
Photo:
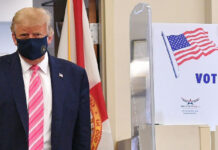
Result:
26,27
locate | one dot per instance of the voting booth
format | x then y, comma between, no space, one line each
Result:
173,72
141,76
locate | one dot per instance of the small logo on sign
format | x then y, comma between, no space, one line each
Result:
190,106
190,101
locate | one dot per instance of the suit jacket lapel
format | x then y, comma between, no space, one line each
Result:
57,97
19,91
57,101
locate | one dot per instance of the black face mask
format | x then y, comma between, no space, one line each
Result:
32,48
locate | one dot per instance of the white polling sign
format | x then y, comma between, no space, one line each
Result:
185,59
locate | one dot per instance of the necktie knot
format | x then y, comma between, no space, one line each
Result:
34,67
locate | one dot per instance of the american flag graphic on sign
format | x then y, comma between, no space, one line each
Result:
191,45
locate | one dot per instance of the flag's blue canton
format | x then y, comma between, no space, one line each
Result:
178,41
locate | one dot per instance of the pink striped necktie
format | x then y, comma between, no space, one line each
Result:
36,111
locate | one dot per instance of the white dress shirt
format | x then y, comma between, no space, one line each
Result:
44,72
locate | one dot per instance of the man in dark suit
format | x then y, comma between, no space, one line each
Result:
45,108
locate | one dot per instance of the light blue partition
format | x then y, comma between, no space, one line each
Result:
6,43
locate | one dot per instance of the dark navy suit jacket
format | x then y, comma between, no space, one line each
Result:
70,128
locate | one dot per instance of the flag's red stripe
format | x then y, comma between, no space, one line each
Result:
78,5
197,57
194,46
195,35
183,51
197,42
203,45
194,52
96,92
194,31
198,38
189,32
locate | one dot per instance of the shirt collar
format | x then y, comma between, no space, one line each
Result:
43,65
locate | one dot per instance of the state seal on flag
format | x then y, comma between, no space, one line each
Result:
96,123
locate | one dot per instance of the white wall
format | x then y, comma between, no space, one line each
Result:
9,7
178,11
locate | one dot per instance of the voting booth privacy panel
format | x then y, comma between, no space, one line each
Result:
185,65
173,77
142,119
